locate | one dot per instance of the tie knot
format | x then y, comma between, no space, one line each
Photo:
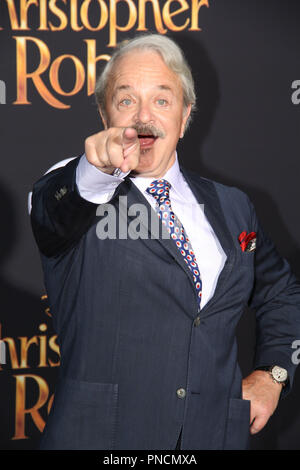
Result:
159,189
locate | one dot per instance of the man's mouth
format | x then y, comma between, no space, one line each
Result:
146,140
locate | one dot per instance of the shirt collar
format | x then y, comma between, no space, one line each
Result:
173,175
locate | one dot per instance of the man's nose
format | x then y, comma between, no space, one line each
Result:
144,113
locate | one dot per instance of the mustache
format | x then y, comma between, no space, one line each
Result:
148,129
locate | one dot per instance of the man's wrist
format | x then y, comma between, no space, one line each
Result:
278,374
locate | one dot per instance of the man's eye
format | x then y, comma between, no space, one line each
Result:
126,101
161,102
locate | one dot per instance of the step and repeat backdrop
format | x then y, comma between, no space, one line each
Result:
246,64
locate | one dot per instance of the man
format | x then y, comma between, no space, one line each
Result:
147,324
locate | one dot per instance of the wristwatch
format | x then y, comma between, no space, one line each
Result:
278,374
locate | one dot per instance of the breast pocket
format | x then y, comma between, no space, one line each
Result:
237,434
247,257
83,416
245,269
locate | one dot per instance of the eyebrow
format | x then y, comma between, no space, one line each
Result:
128,87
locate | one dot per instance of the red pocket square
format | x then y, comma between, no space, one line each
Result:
247,242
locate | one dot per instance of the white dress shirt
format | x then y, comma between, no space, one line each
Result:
96,186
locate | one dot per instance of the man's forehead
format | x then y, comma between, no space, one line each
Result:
143,67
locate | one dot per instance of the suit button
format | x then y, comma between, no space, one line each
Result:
197,321
181,393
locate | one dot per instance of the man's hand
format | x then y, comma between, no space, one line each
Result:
116,147
264,394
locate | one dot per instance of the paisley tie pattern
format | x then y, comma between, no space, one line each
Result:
160,190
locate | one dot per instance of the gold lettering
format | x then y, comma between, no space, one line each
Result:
113,25
21,410
60,14
167,15
92,59
12,353
54,71
23,75
50,401
12,14
24,5
43,16
43,346
73,13
156,13
85,17
43,351
25,343
54,347
196,5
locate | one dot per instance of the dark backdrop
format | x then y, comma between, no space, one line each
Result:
245,133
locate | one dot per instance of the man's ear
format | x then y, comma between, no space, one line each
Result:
185,118
104,121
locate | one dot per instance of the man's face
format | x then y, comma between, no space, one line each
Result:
144,93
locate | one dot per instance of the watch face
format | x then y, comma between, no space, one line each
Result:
279,374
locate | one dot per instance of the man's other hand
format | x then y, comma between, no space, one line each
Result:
264,395
116,147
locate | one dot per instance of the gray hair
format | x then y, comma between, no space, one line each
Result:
170,53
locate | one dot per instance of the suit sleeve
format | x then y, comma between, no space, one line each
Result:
276,301
59,215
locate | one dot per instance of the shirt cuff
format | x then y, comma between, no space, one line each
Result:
93,184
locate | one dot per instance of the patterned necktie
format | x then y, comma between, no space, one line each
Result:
159,189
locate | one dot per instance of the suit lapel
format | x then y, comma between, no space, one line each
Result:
205,193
